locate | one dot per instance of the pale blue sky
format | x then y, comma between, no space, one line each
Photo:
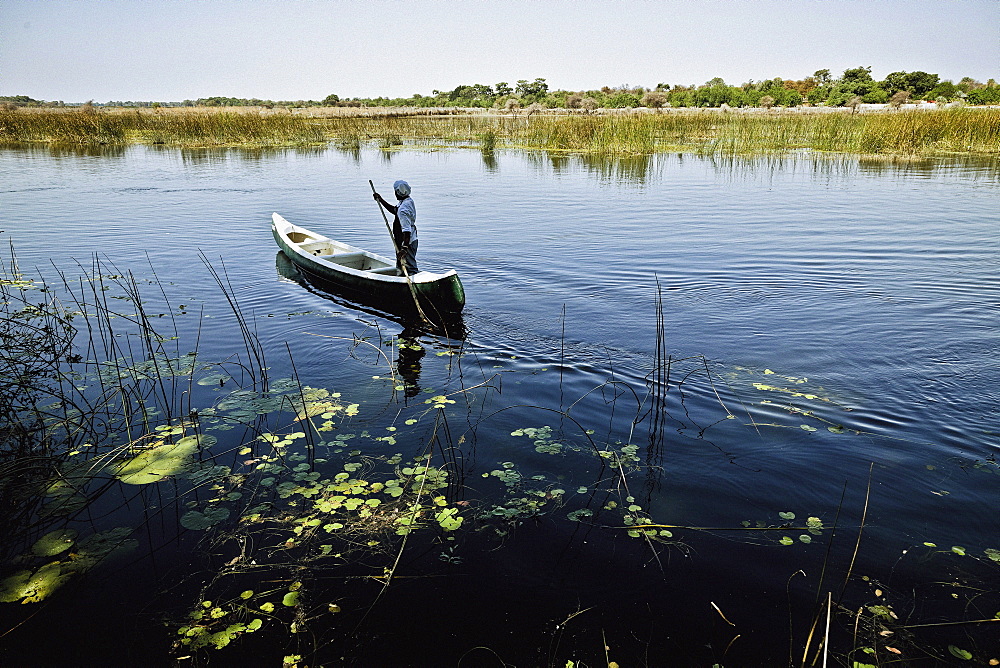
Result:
171,50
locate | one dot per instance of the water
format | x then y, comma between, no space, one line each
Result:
856,295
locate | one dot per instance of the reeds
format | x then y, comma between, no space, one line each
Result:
190,129
946,131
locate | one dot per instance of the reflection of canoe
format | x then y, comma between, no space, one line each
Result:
365,276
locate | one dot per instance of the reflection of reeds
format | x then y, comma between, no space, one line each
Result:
975,131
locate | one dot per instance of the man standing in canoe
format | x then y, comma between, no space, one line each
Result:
404,226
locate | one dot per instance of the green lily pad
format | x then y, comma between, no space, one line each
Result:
15,587
155,464
197,520
33,587
54,542
787,516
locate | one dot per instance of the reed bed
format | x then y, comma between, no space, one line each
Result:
910,133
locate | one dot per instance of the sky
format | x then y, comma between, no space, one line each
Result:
172,50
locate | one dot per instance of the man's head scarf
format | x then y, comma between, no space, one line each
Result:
402,188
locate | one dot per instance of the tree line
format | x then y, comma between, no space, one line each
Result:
855,86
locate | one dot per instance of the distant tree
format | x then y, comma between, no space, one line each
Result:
921,83
803,87
857,75
533,90
574,101
622,100
967,84
513,105
823,77
331,100
945,89
986,95
895,82
88,108
534,108
767,102
588,104
899,98
857,82
853,103
717,81
503,89
653,100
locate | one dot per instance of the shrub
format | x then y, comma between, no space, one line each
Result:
897,100
654,100
623,100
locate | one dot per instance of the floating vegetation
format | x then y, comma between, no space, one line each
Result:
161,461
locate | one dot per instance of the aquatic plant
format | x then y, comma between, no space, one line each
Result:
969,131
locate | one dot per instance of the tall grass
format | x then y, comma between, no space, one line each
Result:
182,129
971,131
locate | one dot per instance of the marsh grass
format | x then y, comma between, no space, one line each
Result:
909,133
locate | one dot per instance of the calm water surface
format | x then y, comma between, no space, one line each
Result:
796,294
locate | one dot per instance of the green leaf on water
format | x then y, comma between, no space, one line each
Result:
202,520
162,461
267,607
993,554
960,653
290,599
805,427
959,550
33,587
930,544
785,540
787,516
54,542
247,594
15,587
805,538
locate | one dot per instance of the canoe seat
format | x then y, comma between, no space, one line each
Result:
388,271
354,260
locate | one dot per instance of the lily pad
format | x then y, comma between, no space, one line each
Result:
33,587
197,520
54,542
162,461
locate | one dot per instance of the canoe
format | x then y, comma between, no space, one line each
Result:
366,276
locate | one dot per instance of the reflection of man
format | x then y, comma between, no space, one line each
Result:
404,226
408,361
